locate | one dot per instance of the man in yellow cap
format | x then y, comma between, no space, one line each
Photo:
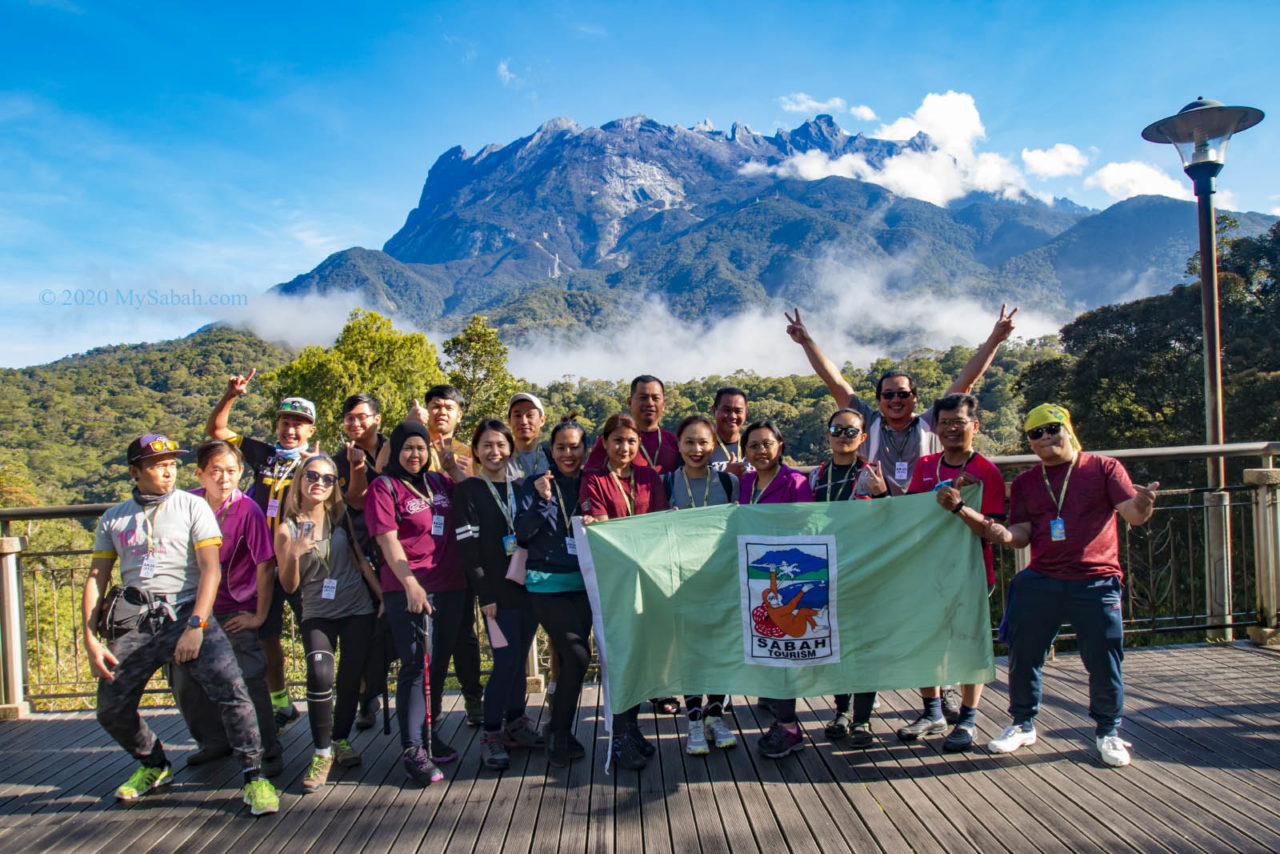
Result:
1065,509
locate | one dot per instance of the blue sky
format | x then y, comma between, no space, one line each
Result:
226,148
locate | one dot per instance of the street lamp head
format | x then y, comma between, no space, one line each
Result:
1201,129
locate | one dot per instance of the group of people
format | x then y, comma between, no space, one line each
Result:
384,551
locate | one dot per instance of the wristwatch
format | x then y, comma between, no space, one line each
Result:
195,621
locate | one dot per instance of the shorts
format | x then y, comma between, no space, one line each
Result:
273,626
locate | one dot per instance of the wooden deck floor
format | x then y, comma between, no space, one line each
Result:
1204,722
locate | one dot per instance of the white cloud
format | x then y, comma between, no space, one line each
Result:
1054,162
939,175
1226,200
1135,178
863,113
594,30
1274,210
505,74
800,102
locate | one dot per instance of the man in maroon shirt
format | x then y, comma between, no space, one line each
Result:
658,447
1065,509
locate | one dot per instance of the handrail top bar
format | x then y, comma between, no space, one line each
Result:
57,511
1181,452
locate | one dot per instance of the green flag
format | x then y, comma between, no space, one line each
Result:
787,600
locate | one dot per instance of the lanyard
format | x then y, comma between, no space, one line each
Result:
280,478
888,436
706,492
728,456
1061,498
657,453
560,502
756,496
509,507
937,471
851,476
430,497
221,513
150,526
627,497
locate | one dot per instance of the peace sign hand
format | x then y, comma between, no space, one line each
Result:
796,328
1004,326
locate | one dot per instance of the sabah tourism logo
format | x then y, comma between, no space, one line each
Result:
788,588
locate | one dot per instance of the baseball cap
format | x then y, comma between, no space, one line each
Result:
524,395
298,406
151,445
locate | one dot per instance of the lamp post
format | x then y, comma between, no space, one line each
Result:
1200,132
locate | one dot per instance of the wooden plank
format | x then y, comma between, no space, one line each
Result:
575,830
655,800
691,772
601,818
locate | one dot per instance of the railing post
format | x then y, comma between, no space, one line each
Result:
533,681
1217,564
1266,551
12,634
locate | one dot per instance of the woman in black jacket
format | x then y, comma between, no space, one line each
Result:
554,581
486,514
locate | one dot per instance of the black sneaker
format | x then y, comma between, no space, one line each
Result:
959,739
558,753
368,717
781,740
644,745
921,728
419,767
206,755
441,752
475,710
285,715
860,736
951,704
576,750
626,753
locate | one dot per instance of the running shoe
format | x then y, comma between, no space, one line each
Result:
720,734
419,767
959,739
494,751
1114,750
475,710
145,779
317,772
923,726
696,745
344,755
781,740
285,715
368,717
261,796
626,753
520,733
1012,737
644,745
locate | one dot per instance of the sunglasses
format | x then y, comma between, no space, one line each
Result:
290,406
1049,429
316,477
162,445
851,432
900,394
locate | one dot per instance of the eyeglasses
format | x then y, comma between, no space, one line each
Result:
1051,429
762,446
162,445
851,432
901,394
949,423
316,477
357,418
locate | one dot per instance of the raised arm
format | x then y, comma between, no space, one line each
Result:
1137,510
216,426
981,358
822,366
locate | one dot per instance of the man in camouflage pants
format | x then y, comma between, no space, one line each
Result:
167,543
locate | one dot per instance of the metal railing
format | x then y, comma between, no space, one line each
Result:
1180,580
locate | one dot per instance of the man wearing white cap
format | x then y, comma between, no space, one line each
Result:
525,417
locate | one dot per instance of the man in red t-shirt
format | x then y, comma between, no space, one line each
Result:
1065,510
955,419
658,448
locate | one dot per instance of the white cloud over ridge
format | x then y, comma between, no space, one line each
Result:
1136,178
1055,162
863,113
801,102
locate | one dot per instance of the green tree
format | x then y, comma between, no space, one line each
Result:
477,361
368,356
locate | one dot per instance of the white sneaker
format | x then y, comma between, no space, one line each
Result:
697,742
720,734
1114,750
1011,738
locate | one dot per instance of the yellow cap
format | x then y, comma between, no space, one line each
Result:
1047,413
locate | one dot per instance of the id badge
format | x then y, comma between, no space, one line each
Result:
273,508
509,544
942,483
437,526
1057,530
148,568
571,545
900,471
330,588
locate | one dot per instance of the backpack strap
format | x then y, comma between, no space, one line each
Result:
668,484
726,483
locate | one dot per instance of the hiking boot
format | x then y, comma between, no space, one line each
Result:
720,734
273,765
558,755
644,745
317,772
494,751
951,704
781,740
1114,750
344,755
475,710
922,727
145,779
285,715
441,752
368,717
839,726
860,735
959,739
419,768
576,750
696,745
626,753
520,733
1011,738
261,796
206,755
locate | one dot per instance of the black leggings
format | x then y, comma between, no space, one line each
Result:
785,710
321,638
713,709
567,620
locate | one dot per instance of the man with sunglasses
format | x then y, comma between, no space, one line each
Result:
167,543
273,467
955,417
896,436
1065,510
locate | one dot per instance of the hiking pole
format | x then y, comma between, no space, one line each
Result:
425,631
